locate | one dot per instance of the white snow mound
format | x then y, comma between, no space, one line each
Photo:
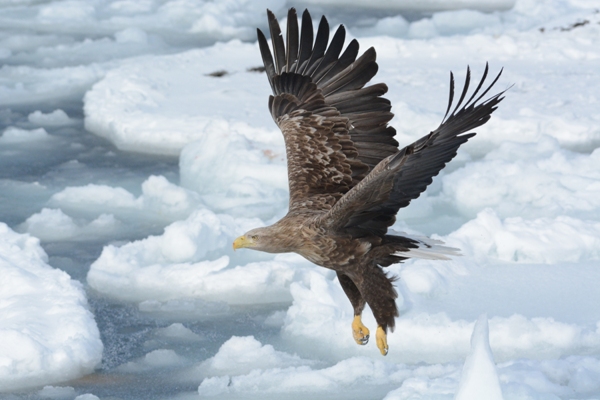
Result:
190,260
479,379
47,333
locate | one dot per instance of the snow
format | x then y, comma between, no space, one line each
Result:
123,106
184,262
87,396
57,392
55,118
533,179
479,377
136,144
16,135
427,5
47,333
54,225
243,365
179,331
520,240
156,359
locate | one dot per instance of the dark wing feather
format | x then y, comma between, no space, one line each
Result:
347,58
332,54
277,41
371,206
315,89
306,40
319,48
292,40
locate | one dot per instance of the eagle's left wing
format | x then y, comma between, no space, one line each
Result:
371,206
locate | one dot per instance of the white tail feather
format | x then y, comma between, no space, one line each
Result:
429,249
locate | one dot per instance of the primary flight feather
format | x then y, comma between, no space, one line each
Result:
347,177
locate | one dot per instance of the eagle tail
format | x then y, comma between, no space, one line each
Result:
403,246
428,249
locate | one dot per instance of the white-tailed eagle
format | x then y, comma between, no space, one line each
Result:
347,177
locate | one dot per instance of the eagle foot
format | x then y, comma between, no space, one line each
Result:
359,331
381,338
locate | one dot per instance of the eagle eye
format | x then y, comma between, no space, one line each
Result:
254,237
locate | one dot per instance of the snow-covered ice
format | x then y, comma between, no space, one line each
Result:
47,333
135,144
190,260
479,377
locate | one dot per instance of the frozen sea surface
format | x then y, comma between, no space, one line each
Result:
136,144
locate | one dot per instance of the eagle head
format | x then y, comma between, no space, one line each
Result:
255,239
271,239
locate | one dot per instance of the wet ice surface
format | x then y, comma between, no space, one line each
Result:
141,212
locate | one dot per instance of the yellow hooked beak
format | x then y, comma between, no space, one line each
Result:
241,242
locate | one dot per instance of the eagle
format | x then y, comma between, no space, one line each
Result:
347,176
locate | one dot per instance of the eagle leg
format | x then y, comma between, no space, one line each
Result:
360,333
381,340
378,291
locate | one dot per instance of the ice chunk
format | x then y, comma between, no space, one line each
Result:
47,333
422,29
321,315
240,355
479,379
57,392
92,194
464,21
231,155
22,84
163,197
66,11
131,35
533,179
352,375
87,396
190,260
50,225
160,358
55,118
18,135
322,311
179,331
542,240
235,174
395,26
161,105
423,278
160,202
573,375
219,158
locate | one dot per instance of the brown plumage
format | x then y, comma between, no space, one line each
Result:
347,177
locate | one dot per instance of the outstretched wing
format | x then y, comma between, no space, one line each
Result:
371,206
335,129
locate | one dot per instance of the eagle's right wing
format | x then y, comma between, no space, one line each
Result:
335,129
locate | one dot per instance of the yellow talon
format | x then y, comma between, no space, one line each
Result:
381,338
359,331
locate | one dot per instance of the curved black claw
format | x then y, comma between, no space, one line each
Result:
364,340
